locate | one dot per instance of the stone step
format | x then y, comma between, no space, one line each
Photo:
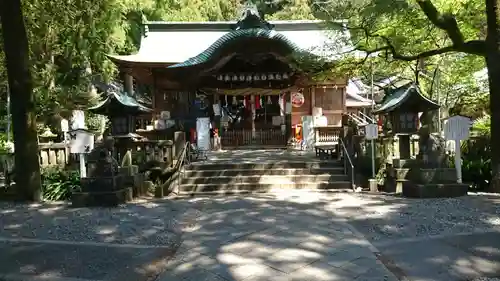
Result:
186,189
265,179
226,165
262,172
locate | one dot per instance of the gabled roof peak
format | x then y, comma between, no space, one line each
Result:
250,18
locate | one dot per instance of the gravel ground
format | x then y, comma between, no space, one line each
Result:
383,218
378,217
140,223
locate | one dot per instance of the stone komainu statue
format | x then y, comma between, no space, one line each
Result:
432,152
103,172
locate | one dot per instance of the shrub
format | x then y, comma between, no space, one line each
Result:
58,183
476,155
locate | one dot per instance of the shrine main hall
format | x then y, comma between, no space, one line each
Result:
243,75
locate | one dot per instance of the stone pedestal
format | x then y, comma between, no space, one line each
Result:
101,192
105,186
435,190
372,183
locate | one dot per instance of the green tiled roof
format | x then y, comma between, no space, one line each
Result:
115,100
231,37
409,93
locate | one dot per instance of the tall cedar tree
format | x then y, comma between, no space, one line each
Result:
27,171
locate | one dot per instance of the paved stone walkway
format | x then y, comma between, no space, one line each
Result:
287,235
272,237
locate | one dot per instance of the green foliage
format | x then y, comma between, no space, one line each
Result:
5,147
94,121
402,25
476,155
482,126
58,183
476,165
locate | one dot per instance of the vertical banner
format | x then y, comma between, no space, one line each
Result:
308,132
203,133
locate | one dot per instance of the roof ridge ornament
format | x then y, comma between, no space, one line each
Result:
250,18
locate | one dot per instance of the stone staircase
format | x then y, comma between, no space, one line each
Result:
232,176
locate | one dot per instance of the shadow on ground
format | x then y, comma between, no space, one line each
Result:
290,235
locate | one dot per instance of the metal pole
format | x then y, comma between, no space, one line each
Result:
373,119
372,93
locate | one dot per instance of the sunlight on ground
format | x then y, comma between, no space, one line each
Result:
105,230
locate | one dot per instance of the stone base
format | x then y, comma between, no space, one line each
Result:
101,199
394,186
9,194
373,185
434,190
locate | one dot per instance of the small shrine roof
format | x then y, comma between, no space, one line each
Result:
353,97
355,100
407,97
116,103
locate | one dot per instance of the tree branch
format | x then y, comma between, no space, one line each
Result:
445,22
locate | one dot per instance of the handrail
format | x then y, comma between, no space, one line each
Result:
359,121
367,117
350,163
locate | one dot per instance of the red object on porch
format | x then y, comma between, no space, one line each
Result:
246,100
192,135
297,129
257,102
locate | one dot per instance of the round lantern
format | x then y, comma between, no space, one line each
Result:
298,99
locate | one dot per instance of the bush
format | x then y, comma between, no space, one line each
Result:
58,183
476,162
476,156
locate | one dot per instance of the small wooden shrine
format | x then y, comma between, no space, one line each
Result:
122,110
401,107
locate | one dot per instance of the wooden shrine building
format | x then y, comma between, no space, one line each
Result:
241,74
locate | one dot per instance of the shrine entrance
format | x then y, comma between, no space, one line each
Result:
249,80
252,120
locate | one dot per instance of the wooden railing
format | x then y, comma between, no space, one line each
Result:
269,137
328,135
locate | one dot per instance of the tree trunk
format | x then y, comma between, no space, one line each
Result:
492,59
27,170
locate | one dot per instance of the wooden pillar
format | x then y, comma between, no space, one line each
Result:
154,96
128,83
179,141
313,98
288,117
217,121
252,106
